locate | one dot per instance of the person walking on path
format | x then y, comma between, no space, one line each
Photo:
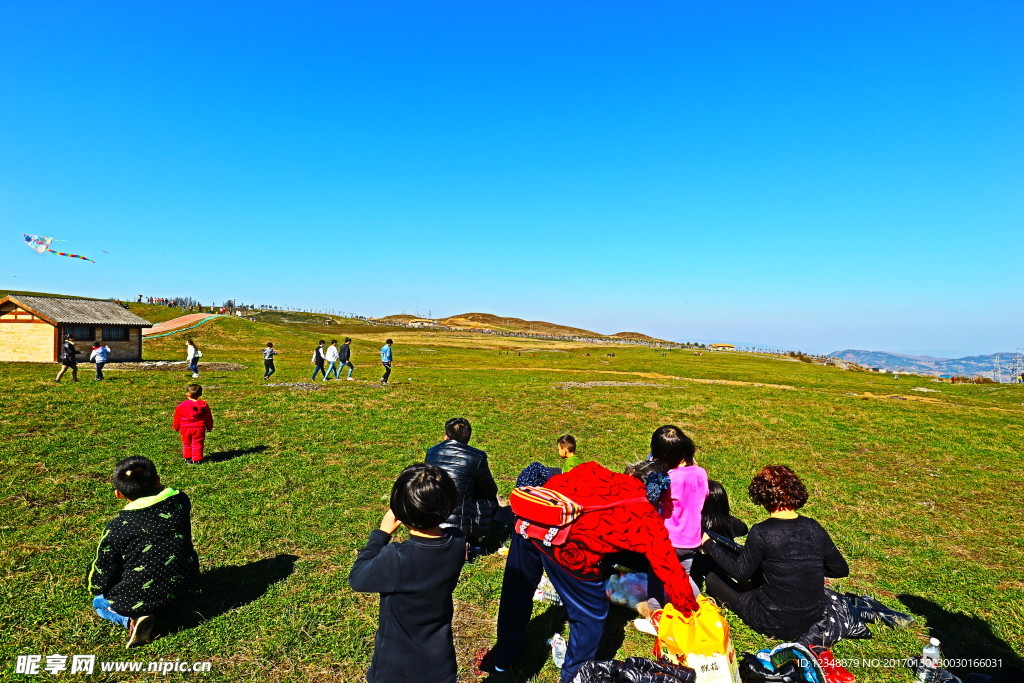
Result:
385,360
268,361
68,359
345,358
318,360
331,355
99,355
192,355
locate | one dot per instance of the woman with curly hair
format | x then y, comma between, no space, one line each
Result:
793,554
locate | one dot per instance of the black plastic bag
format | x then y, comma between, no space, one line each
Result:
633,670
842,619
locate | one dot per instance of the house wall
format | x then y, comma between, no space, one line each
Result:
127,350
25,337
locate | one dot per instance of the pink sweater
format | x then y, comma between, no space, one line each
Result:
681,506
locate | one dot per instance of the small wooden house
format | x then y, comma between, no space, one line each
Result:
33,327
721,347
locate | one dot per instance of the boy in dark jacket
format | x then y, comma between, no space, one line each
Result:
145,560
415,579
193,419
478,494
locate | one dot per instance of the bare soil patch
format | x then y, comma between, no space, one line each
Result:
176,366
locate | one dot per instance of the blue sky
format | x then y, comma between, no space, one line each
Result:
811,176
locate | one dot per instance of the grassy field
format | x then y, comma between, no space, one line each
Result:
920,489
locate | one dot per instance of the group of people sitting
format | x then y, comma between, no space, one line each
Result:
659,516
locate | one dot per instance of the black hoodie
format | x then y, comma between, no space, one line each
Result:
145,559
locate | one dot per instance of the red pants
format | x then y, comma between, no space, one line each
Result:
192,441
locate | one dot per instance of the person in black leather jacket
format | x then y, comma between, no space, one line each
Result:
478,494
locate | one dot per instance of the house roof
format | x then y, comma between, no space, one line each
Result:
78,311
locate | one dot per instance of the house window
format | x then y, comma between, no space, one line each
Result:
115,334
81,332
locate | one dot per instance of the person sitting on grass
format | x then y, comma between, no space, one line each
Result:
716,517
794,554
415,579
567,451
478,493
145,560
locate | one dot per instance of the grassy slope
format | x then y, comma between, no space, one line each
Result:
922,497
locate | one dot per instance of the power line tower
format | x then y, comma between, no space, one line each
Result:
997,368
1018,366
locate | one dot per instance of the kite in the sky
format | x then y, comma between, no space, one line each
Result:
40,244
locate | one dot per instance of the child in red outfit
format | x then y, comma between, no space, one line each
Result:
193,419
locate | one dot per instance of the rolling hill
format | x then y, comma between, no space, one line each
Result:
489,321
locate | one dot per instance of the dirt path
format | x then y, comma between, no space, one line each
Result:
190,320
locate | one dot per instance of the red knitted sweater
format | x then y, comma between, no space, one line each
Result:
597,533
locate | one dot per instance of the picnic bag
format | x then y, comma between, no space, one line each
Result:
547,515
543,514
699,640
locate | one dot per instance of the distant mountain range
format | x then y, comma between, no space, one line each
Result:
970,366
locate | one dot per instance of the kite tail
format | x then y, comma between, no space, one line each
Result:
61,253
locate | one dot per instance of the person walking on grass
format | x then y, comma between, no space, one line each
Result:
331,356
318,360
192,355
68,359
345,358
99,355
145,560
268,361
385,360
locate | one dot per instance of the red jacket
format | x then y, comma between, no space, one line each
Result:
636,527
191,413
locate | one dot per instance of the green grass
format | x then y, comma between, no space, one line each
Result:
922,497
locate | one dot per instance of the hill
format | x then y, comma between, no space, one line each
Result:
14,292
637,336
969,366
493,322
489,321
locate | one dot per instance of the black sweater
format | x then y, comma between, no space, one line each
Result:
415,580
145,559
794,556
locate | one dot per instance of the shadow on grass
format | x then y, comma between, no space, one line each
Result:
224,456
967,637
619,619
223,589
536,650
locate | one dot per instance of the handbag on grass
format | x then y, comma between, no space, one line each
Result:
699,640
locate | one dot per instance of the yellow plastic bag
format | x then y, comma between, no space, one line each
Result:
700,641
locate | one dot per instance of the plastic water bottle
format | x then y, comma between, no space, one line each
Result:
557,649
931,657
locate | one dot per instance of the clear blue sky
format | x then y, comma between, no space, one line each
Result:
813,176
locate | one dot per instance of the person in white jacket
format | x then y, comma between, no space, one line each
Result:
331,356
192,355
99,355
